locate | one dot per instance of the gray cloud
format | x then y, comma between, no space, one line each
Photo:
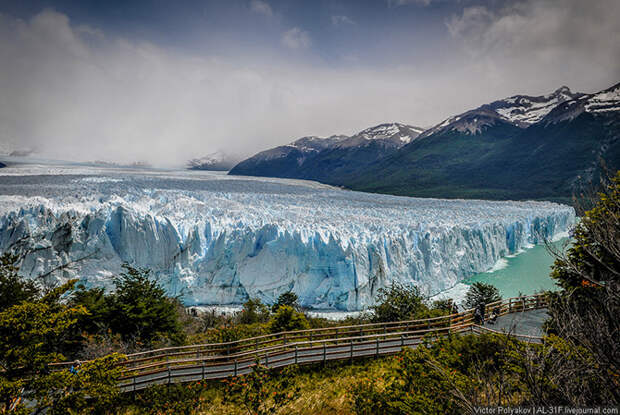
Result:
341,19
397,3
261,7
75,92
296,38
565,39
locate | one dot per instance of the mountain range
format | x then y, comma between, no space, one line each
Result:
324,159
521,147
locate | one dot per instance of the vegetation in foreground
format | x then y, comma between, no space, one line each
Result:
578,363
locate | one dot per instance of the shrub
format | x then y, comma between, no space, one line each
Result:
287,319
446,306
92,389
399,302
585,312
140,310
367,398
98,306
262,391
14,289
254,311
481,294
449,375
288,298
170,399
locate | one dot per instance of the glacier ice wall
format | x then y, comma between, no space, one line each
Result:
214,239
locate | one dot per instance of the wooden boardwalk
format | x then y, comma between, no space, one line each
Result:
221,360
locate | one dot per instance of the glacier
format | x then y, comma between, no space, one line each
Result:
213,239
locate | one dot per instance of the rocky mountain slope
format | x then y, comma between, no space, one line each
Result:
324,158
543,152
520,147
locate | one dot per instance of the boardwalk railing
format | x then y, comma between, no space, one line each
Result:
220,360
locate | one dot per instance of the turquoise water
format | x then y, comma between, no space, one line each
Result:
525,273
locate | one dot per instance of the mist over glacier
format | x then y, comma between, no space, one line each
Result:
216,239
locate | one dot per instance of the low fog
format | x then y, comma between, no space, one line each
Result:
74,92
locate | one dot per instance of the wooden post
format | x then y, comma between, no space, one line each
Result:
510,305
351,352
203,370
235,367
402,341
324,352
377,347
267,359
284,338
295,354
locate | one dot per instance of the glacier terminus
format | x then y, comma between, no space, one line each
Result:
215,239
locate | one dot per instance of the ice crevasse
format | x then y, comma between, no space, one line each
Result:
224,241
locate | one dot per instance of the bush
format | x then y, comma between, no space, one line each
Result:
288,298
254,311
93,389
367,398
448,376
481,294
138,310
14,289
585,312
399,302
170,399
98,306
447,306
262,391
287,319
232,333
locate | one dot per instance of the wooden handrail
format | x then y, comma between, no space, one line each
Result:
268,347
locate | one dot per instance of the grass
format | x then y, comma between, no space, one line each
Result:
322,390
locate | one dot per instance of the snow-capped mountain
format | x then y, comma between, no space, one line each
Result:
394,134
314,143
514,148
601,104
520,147
218,161
523,110
518,110
319,158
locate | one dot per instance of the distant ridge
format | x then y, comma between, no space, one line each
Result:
321,159
520,147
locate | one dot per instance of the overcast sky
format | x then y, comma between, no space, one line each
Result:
164,81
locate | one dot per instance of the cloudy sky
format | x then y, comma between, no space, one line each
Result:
164,81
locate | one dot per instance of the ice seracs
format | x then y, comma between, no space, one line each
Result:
215,239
